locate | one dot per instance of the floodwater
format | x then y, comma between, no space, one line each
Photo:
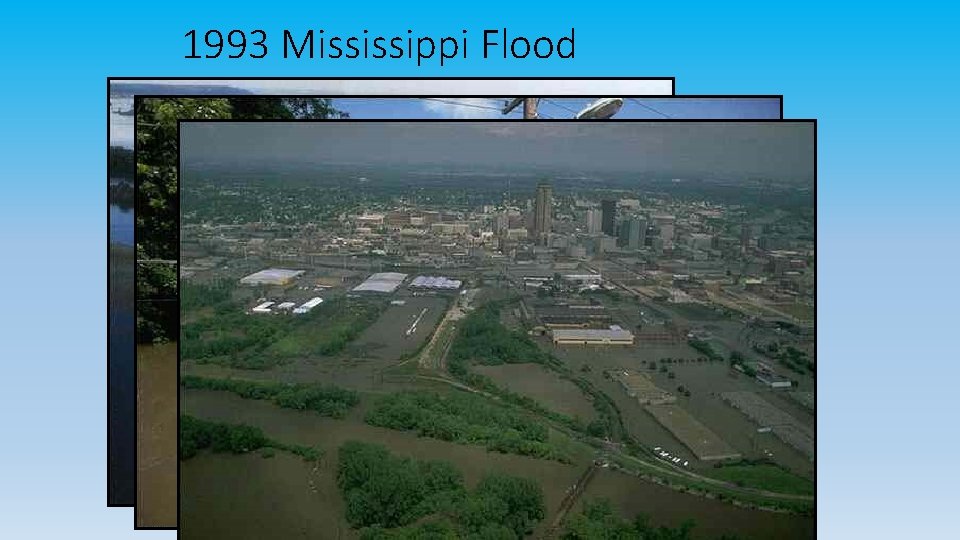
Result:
157,435
121,459
121,403
240,497
713,518
121,225
705,381
546,387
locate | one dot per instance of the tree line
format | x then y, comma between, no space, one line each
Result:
326,400
197,435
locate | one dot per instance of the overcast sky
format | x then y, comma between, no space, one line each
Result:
779,150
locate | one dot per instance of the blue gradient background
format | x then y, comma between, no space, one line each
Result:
882,80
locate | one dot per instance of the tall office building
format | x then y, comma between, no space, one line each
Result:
666,224
609,208
633,232
543,212
594,221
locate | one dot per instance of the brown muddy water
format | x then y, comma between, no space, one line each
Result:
252,497
157,435
546,387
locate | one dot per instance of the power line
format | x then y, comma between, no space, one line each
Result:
552,102
462,104
648,107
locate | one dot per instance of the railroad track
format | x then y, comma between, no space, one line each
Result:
570,500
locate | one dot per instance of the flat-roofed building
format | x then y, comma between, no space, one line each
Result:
271,276
308,305
262,308
587,336
641,386
573,316
381,282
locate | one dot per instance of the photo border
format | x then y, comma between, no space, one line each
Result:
810,121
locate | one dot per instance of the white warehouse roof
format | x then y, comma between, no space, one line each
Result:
431,282
263,308
384,282
270,276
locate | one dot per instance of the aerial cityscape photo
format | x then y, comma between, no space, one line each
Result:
496,329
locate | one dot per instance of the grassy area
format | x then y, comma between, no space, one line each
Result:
338,323
802,312
229,336
763,476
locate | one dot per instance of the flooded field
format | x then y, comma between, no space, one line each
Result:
251,497
237,497
546,387
157,435
309,429
401,328
705,381
712,518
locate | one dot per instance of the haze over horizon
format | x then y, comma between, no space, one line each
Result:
778,150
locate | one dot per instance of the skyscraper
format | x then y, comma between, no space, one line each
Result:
594,221
633,231
609,208
543,212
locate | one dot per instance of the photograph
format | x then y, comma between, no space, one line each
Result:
288,95
155,449
493,328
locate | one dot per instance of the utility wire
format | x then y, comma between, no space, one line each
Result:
645,106
461,104
552,102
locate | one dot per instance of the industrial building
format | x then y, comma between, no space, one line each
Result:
262,308
585,336
573,316
271,276
704,443
640,386
381,282
769,377
308,305
435,282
